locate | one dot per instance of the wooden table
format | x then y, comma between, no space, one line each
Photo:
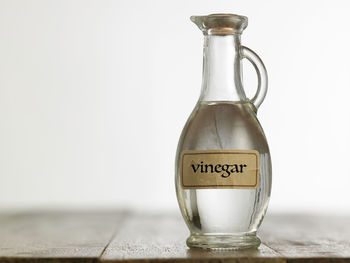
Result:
145,237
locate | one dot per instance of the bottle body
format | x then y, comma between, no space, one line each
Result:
223,164
224,218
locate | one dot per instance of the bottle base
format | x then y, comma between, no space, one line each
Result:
231,242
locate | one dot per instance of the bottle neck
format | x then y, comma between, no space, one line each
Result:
222,69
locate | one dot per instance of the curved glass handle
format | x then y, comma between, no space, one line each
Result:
262,75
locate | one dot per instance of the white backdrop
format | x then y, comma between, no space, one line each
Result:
94,95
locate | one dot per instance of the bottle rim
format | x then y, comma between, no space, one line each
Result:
221,24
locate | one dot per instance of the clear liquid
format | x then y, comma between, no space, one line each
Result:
228,126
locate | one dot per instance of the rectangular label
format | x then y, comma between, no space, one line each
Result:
220,169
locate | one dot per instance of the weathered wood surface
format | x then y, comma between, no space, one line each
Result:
54,235
298,236
144,237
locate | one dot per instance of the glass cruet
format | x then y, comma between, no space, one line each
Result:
223,165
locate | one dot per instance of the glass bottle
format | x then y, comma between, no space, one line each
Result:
223,165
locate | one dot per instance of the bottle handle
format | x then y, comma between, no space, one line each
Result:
262,75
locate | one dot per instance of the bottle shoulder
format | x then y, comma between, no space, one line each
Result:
222,125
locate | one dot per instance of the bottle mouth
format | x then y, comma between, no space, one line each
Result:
221,24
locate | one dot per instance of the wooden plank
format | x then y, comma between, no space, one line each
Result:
158,237
67,235
84,237
305,237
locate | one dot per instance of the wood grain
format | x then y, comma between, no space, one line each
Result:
56,234
308,236
162,237
149,237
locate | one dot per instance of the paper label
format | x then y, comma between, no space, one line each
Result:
220,169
